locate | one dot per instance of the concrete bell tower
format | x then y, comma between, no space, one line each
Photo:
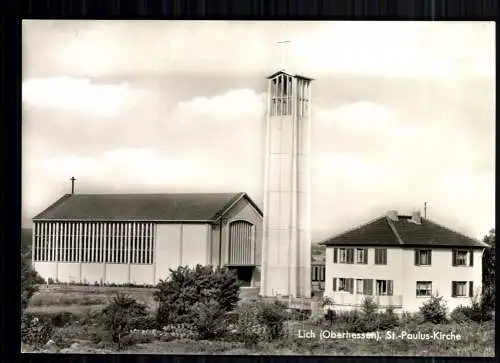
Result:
286,245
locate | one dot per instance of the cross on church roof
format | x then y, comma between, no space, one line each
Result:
282,44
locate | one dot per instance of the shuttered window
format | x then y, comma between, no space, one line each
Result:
461,257
362,255
381,256
459,288
343,255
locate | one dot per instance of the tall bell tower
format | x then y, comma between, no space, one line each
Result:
286,245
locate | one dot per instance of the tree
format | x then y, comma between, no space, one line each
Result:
489,270
29,280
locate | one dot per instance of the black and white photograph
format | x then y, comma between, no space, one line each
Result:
258,187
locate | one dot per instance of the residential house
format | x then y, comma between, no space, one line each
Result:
401,261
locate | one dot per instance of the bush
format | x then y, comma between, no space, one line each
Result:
476,312
368,318
434,310
273,316
331,316
35,331
208,318
248,327
185,287
387,320
123,314
29,280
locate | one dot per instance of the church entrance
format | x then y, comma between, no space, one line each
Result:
244,274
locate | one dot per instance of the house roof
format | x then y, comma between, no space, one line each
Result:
384,231
173,207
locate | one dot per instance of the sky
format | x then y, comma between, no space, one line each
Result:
403,113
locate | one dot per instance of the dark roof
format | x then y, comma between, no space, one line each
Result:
384,231
144,207
288,74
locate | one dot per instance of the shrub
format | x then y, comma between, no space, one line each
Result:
476,312
273,316
62,318
331,316
387,320
121,315
185,287
208,318
29,280
248,328
35,331
434,310
368,319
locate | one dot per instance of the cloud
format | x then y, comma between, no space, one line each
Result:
231,47
234,106
74,94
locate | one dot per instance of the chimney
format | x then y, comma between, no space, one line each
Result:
393,215
416,217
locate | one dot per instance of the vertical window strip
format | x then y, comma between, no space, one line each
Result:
152,241
124,243
146,249
87,242
141,244
34,247
105,242
111,242
68,258
61,245
42,231
51,241
133,236
73,241
129,234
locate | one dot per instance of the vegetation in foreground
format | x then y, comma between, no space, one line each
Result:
198,311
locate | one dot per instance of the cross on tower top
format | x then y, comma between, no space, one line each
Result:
282,45
73,184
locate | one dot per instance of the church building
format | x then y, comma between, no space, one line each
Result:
114,238
136,238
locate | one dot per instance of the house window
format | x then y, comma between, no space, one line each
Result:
423,257
383,287
359,286
361,255
381,256
424,288
343,255
342,284
459,288
462,258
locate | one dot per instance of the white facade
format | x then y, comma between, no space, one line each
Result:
174,244
286,242
404,275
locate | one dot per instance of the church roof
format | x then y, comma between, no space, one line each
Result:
402,232
175,207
